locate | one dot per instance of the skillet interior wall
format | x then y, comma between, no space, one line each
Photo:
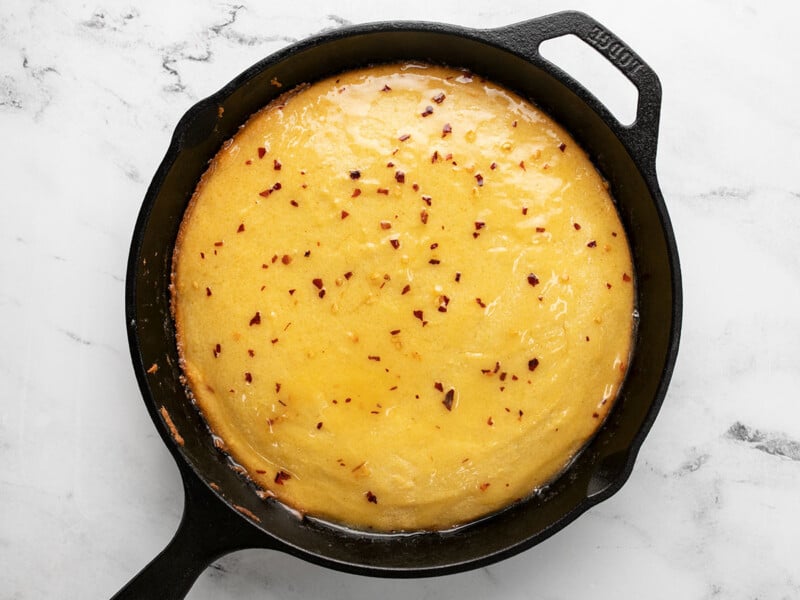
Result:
595,470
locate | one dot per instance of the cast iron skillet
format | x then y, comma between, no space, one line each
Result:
222,513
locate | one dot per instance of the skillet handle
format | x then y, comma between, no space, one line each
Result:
208,530
525,38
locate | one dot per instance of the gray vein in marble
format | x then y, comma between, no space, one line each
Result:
690,466
100,20
15,94
340,21
9,94
75,337
772,443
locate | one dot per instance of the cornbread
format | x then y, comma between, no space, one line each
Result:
403,298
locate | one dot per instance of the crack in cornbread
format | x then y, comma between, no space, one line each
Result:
403,298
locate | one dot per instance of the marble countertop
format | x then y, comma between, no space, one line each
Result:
89,96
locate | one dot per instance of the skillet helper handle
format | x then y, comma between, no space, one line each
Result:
207,531
525,38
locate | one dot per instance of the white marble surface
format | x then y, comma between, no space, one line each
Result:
89,95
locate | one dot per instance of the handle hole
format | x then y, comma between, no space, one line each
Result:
595,73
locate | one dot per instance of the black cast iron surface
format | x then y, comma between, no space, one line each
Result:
222,512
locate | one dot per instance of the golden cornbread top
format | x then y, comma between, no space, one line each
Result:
403,298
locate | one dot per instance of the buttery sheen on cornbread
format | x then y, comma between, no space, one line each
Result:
403,298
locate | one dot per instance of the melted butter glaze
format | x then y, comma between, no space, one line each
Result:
403,298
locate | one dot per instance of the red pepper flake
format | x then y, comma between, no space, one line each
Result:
276,186
386,88
533,280
485,486
524,210
248,162
348,275
265,193
595,415
423,216
217,350
490,421
261,152
285,259
592,244
404,137
562,146
400,177
389,165
386,225
406,289
218,244
294,203
394,331
427,112
522,165
448,399
383,191
434,156
479,225
493,166
248,377
251,352
439,98
419,314
577,226
532,364
434,261
274,340
540,230
276,164
208,291
427,200
292,291
202,255
447,129
395,243
256,320
317,283
458,276
240,228
369,495
277,387
307,253
415,187
626,277
319,425
608,285
375,358
614,233
503,376
345,214
479,179
443,302
438,385
282,476
355,174
356,193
